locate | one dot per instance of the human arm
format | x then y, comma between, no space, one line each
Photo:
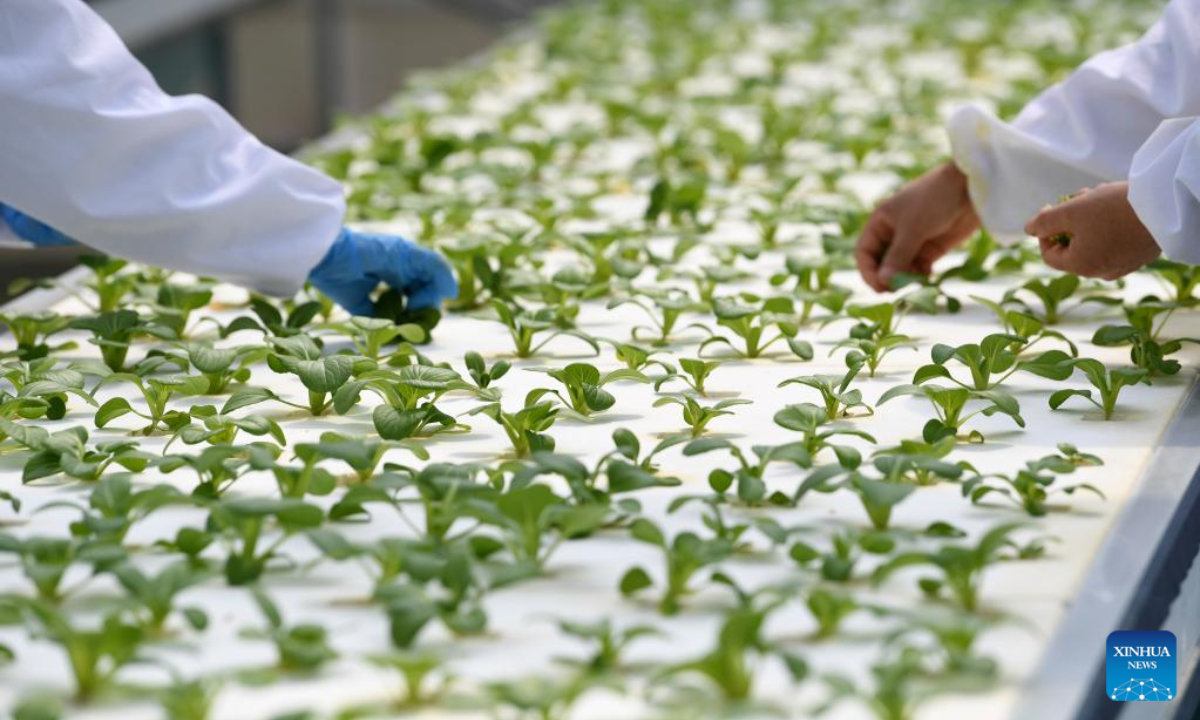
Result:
91,145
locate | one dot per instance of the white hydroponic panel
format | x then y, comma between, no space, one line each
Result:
582,577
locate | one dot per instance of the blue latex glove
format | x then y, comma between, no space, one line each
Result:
358,262
34,231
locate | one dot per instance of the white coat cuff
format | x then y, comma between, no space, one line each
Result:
1164,188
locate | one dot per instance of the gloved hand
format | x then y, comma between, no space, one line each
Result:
358,262
33,231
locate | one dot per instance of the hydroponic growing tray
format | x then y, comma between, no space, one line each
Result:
1093,564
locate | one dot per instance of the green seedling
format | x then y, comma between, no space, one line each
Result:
409,395
679,200
1141,334
271,319
529,516
243,525
696,416
836,394
483,376
694,373
45,561
608,645
874,336
1053,296
223,366
814,286
206,425
525,428
524,326
620,477
960,567
829,608
813,422
153,596
416,669
751,324
1182,279
113,332
837,563
114,507
685,555
217,467
174,305
584,386
371,335
322,376
302,648
157,394
444,495
32,333
920,463
1030,487
1107,383
730,667
662,308
638,357
67,452
951,406
189,699
361,455
96,655
749,475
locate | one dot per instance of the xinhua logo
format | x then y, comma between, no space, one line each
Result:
1141,666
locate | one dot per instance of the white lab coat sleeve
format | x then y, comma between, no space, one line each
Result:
92,146
1083,131
1164,188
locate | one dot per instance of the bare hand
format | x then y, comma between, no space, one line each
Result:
909,231
1094,234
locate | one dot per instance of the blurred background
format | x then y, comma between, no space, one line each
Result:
287,69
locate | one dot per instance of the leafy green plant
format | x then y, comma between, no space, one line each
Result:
321,375
1108,384
750,326
697,416
157,394
371,335
153,596
527,516
951,406
243,525
113,332
524,326
67,452
584,385
1030,487
33,331
1146,350
483,376
837,563
836,394
95,656
875,335
46,560
748,476
1053,296
409,397
990,362
960,567
302,648
813,422
685,555
608,644
663,308
223,366
526,428
695,374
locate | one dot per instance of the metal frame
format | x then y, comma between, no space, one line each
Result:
1158,533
